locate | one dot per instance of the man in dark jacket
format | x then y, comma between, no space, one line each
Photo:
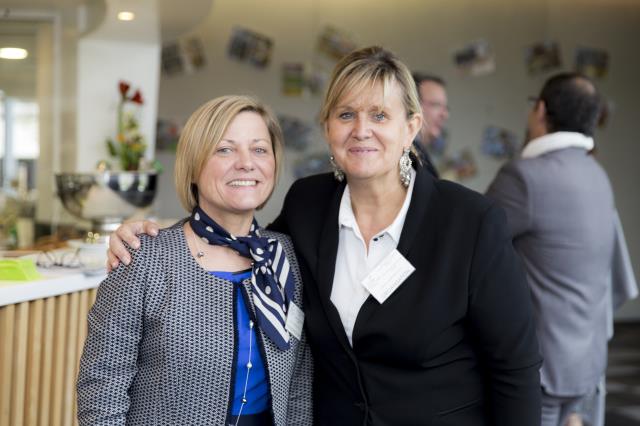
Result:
435,111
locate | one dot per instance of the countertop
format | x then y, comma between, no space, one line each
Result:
54,282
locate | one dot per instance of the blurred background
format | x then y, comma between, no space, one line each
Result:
90,73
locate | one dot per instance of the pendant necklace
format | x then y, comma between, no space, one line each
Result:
248,365
199,252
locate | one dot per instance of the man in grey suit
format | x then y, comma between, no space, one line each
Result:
561,213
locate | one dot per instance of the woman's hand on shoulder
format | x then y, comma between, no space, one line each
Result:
127,233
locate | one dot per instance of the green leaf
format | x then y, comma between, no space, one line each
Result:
157,166
111,147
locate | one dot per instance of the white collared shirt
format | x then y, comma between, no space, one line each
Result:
353,263
555,141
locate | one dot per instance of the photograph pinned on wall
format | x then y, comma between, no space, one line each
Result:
296,132
498,142
185,56
171,59
475,59
250,47
460,166
167,135
316,79
312,164
542,57
293,79
193,53
593,63
335,43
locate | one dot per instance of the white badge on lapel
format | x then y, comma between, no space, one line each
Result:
295,320
387,276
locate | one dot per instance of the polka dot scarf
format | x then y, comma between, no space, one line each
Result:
271,279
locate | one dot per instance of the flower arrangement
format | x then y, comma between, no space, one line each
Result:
129,145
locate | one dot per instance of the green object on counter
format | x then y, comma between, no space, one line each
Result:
18,270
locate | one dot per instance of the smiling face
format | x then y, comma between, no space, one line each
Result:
367,132
240,174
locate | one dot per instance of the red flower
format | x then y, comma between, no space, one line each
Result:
124,88
137,98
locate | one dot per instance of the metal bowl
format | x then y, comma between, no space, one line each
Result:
106,198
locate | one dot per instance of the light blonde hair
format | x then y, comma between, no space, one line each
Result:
366,67
202,133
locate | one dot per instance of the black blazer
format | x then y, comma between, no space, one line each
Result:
455,344
426,158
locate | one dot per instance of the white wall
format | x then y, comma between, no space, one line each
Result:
98,98
424,35
114,51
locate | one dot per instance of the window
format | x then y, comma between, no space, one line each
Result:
19,140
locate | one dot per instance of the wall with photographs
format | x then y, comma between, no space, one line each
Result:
612,26
273,52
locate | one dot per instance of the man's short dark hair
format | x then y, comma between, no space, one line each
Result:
572,104
420,77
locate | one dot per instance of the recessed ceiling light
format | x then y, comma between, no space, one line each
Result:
13,53
126,16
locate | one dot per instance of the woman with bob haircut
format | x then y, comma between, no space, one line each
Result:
201,327
417,308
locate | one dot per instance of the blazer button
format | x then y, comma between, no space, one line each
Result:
359,405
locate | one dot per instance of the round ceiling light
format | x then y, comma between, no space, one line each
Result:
126,16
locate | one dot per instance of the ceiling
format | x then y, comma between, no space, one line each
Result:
41,4
175,17
17,78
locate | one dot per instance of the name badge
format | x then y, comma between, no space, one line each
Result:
295,320
385,278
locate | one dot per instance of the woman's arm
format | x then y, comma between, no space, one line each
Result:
109,360
128,233
502,325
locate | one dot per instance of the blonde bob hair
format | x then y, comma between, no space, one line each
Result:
202,133
366,67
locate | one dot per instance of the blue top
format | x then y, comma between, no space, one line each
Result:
257,387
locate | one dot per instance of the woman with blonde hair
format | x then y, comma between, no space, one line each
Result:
200,329
416,306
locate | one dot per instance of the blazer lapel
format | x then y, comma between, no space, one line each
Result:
327,253
422,191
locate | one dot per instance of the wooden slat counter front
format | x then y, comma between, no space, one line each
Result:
43,325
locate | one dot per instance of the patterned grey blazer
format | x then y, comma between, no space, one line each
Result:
160,345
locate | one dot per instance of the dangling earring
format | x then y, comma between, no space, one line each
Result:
405,168
337,173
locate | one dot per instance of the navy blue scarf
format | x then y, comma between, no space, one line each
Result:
271,278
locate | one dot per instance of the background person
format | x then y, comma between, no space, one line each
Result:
562,219
434,104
